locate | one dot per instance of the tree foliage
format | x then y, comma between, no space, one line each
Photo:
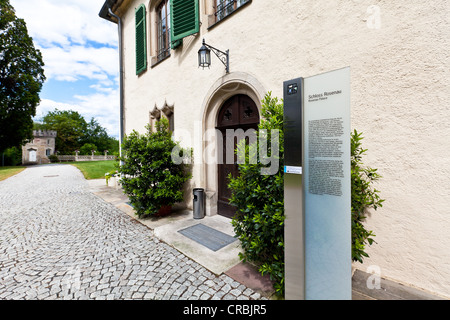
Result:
87,149
97,135
70,127
21,79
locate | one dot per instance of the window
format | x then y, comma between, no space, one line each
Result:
141,40
163,33
166,112
224,8
48,152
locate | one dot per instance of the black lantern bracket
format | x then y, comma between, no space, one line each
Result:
224,57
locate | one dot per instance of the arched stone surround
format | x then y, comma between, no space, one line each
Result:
224,88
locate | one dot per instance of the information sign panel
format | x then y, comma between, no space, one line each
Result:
326,185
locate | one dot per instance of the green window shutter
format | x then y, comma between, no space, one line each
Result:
141,40
184,18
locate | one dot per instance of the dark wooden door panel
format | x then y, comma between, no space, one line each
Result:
239,112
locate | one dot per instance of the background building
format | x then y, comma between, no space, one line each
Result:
398,54
40,148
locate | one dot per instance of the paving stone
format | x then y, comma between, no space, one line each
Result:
226,288
229,296
66,243
218,295
205,296
236,292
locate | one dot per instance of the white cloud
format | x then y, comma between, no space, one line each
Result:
74,40
65,22
76,45
78,62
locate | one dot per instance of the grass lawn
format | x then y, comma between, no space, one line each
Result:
6,172
94,169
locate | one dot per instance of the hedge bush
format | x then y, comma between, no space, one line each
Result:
364,197
148,175
259,222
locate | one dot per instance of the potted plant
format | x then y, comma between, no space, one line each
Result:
152,181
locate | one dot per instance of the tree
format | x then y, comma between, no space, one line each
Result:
71,129
113,146
96,134
86,149
21,79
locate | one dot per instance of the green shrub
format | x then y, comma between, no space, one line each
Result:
148,175
11,157
86,149
53,158
259,222
364,197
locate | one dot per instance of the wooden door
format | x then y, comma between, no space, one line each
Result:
238,112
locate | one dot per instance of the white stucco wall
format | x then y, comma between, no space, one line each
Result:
398,54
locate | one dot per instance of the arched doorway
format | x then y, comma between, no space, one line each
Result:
238,112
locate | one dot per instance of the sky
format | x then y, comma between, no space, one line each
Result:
80,52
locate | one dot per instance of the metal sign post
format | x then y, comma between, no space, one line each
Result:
293,199
317,187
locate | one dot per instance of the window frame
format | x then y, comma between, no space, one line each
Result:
213,21
226,7
163,53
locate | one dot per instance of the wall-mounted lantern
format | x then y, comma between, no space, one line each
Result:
204,56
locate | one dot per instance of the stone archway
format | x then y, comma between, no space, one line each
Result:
223,89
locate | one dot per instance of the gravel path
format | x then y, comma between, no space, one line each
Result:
59,241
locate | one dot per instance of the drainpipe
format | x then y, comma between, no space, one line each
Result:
121,122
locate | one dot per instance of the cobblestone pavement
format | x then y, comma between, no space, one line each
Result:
59,241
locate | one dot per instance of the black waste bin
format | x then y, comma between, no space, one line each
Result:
199,203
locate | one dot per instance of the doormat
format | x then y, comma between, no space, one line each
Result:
208,237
